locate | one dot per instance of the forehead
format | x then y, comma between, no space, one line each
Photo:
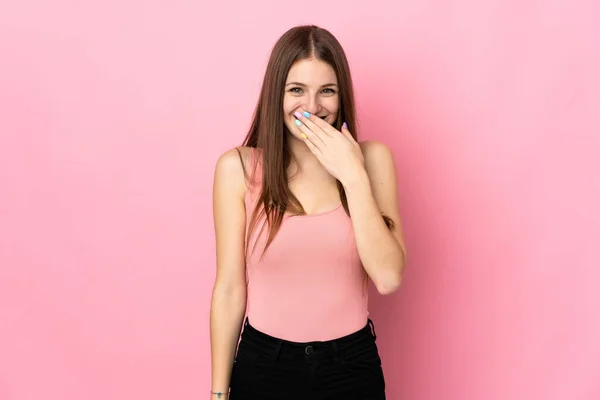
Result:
311,72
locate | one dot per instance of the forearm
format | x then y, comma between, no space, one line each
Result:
226,317
380,253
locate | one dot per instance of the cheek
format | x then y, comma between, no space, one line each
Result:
290,104
332,104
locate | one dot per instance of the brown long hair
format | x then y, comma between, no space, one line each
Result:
269,133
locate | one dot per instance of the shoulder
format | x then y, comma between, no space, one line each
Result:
236,160
239,167
231,167
229,163
378,156
375,148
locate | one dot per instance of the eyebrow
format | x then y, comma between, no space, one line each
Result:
302,84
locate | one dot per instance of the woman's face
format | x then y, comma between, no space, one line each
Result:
311,86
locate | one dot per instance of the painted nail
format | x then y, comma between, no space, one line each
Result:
297,114
345,125
306,114
298,123
303,135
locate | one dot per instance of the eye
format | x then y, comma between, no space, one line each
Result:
329,90
296,90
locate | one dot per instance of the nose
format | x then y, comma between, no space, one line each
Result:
312,105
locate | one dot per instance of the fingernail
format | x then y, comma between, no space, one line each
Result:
297,114
306,114
345,125
303,135
298,123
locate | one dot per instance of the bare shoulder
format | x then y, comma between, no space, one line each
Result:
233,160
379,159
230,169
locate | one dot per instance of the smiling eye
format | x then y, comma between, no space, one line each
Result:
296,90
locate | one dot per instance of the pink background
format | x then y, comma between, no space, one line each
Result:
112,116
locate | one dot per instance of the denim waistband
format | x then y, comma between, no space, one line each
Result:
314,349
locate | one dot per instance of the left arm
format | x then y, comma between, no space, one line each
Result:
371,192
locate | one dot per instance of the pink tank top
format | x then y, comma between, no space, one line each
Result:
309,285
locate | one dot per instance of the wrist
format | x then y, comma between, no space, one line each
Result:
356,181
219,395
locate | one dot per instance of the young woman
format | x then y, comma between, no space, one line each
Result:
304,217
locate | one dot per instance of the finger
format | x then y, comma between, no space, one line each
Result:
311,122
347,134
312,135
322,124
312,147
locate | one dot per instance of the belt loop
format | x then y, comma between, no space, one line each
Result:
372,325
277,351
336,351
338,357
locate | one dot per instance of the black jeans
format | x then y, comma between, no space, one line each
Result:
269,368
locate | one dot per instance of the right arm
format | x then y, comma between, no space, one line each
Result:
228,304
